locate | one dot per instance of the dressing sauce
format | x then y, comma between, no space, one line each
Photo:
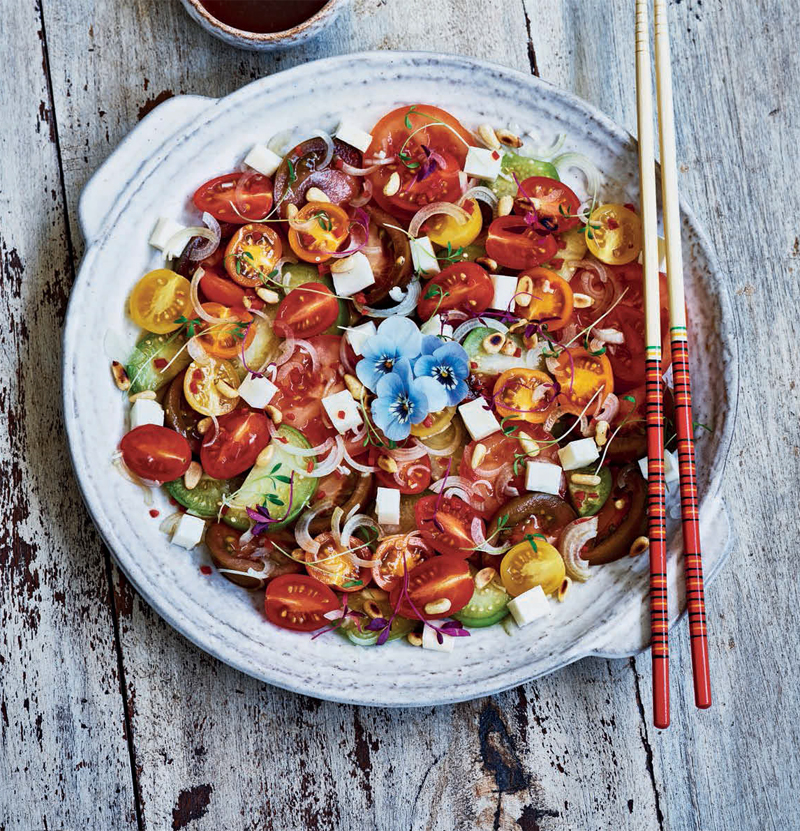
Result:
263,16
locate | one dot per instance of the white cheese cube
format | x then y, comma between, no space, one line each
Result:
352,275
662,255
529,606
189,531
262,159
671,473
479,419
343,411
431,641
359,335
145,411
354,136
387,506
164,231
434,326
543,477
505,289
257,392
483,163
423,256
578,454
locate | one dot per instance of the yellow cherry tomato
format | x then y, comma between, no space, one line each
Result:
434,424
159,299
324,228
614,234
528,565
444,229
201,391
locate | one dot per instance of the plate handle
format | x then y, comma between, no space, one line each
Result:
103,190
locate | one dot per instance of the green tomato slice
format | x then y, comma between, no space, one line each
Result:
523,167
142,369
361,636
589,499
205,500
486,607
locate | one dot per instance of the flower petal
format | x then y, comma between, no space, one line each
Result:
430,343
403,334
402,369
455,356
434,392
390,386
424,366
368,373
457,394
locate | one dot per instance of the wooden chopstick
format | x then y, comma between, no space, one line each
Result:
684,428
656,486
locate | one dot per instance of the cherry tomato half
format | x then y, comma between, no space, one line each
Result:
524,394
219,289
155,453
298,602
332,566
388,569
581,375
318,230
159,299
614,234
433,145
201,391
439,578
225,340
308,310
530,564
446,230
252,254
180,416
515,244
239,560
236,197
550,299
462,286
242,435
627,358
411,477
554,203
446,524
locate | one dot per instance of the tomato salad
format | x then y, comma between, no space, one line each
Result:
395,379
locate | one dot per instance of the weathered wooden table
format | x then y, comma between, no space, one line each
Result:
110,720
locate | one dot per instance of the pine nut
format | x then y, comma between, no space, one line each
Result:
585,479
601,433
316,195
204,424
193,475
372,609
488,136
144,395
484,577
247,302
393,185
524,291
224,388
528,445
488,263
505,205
265,456
582,301
292,210
531,341
563,589
268,296
343,265
354,386
508,138
639,546
400,261
438,607
509,348
388,464
478,455
414,639
493,343
275,414
120,376
619,504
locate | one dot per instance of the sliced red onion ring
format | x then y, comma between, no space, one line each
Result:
328,148
336,525
301,533
435,208
359,521
312,352
454,481
407,454
178,241
609,408
371,166
574,537
482,193
333,460
213,242
194,296
479,538
406,307
465,328
197,352
353,463
287,350
169,523
582,163
311,451
460,493
366,195
504,486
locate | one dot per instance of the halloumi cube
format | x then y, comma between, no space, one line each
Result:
350,134
146,411
262,159
479,419
352,275
543,477
671,473
387,506
189,531
430,641
257,392
343,411
529,606
578,454
359,335
423,256
165,230
483,163
505,290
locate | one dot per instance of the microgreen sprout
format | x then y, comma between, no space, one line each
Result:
191,325
452,255
434,291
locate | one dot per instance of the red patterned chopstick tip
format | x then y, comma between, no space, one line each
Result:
656,526
693,564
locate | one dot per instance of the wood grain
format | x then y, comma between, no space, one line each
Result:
213,749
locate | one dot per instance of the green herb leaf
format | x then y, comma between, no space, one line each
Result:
281,478
352,584
292,174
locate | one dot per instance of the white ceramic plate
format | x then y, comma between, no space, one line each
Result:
154,172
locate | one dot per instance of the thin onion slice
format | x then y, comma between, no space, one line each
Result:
483,194
405,307
582,163
574,537
328,148
198,308
609,408
435,208
177,242
407,454
359,521
197,352
311,451
336,525
479,538
454,481
301,532
465,328
170,523
366,195
353,463
213,243
333,460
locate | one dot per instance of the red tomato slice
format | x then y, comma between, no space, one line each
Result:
219,289
550,301
389,567
434,147
462,286
448,527
581,375
327,228
250,203
627,358
242,435
554,204
298,602
515,244
155,453
435,579
410,478
308,310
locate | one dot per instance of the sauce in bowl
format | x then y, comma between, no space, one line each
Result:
263,16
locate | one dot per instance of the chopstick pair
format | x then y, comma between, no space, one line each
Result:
659,613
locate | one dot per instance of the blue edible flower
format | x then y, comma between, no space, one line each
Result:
397,338
448,366
402,400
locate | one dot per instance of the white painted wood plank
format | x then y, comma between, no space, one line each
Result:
63,751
